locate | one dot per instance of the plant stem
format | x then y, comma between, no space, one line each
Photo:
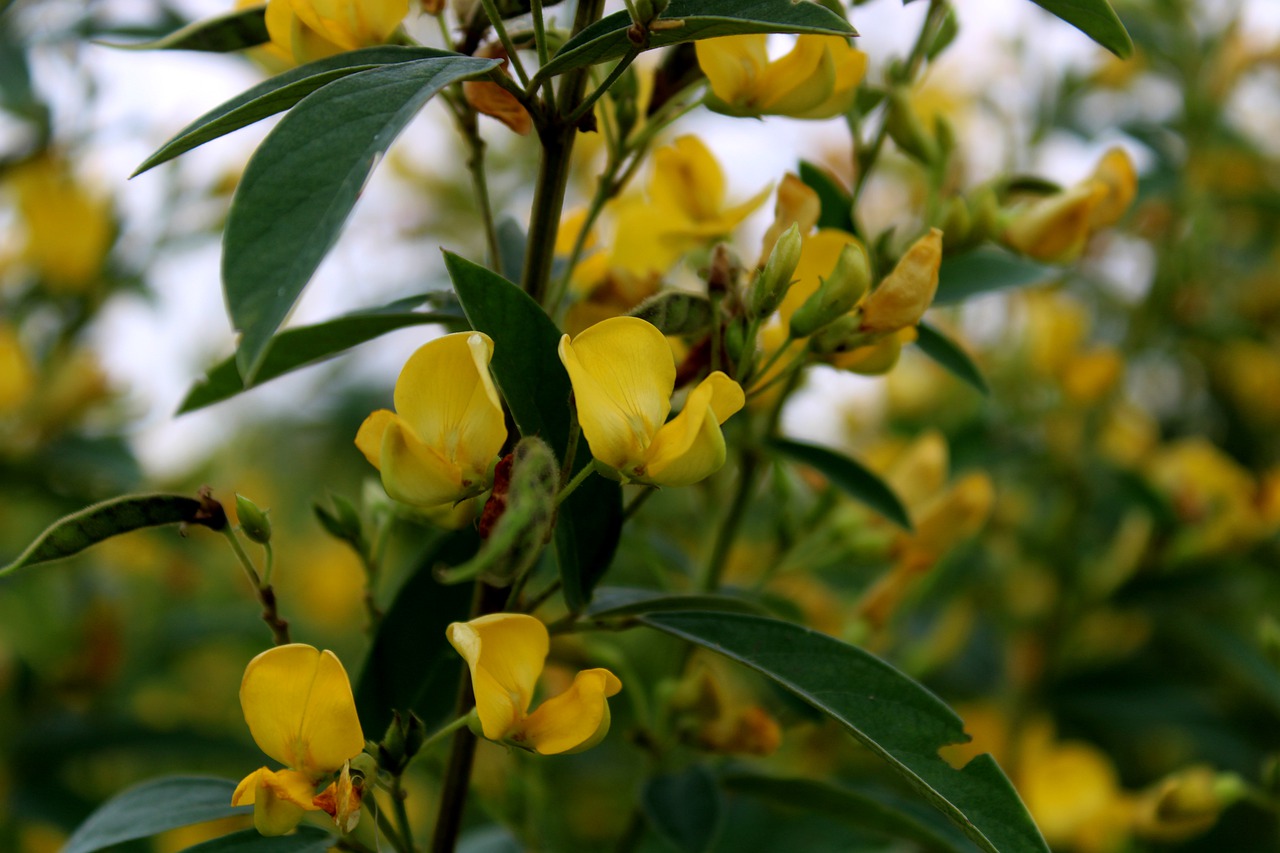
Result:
402,814
265,593
491,9
544,56
587,471
711,576
590,100
384,823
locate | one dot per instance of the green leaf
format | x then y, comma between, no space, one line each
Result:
74,533
303,346
984,270
302,182
536,388
950,355
152,807
410,665
1094,18
306,839
836,203
851,477
625,601
701,19
862,811
279,94
684,808
886,711
222,34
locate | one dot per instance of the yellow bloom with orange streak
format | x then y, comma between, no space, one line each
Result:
506,653
298,704
623,374
439,445
817,79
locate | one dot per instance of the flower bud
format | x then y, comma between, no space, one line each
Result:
904,295
253,521
1055,228
907,131
773,282
837,294
1186,803
676,312
842,335
342,522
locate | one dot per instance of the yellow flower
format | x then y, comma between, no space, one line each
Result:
306,30
685,209
68,230
623,373
298,704
818,79
1055,228
17,376
506,653
439,445
907,292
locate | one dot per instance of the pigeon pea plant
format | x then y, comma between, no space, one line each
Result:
578,535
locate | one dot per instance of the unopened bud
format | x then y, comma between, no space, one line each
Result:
907,292
723,272
364,766
342,521
676,312
1055,228
1187,803
735,340
773,282
841,290
956,222
842,335
253,521
985,209
906,129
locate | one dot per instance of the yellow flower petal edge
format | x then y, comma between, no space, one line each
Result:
505,653
298,704
690,447
818,79
279,799
623,373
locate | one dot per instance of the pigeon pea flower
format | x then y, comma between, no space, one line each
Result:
506,653
307,30
818,79
298,704
439,445
623,374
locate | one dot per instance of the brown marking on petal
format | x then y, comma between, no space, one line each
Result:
497,503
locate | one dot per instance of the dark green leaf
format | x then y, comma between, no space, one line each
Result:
702,19
91,525
837,204
624,601
985,270
849,476
945,35
302,182
152,807
301,347
950,355
279,94
536,388
886,711
1094,18
222,34
862,811
684,808
307,839
410,665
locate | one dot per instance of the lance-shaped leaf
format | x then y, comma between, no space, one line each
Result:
1094,18
697,19
222,34
618,601
303,346
152,807
950,355
302,182
536,388
73,533
305,839
886,711
685,808
279,94
851,477
984,270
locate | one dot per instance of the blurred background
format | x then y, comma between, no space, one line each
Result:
1099,598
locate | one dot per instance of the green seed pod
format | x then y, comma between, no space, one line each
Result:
253,521
837,294
773,282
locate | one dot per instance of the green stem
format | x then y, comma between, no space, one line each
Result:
711,576
637,502
402,814
491,9
587,471
270,563
250,570
384,823
447,730
265,593
590,100
544,56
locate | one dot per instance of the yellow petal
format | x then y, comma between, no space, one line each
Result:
415,473
369,436
799,81
691,447
850,67
575,720
1115,171
447,398
687,179
1055,228
505,653
623,374
279,799
732,64
298,704
818,258
907,292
